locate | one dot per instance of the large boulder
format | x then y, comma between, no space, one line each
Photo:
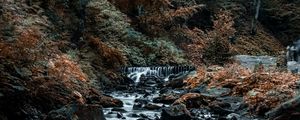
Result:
77,112
194,100
176,112
166,98
107,101
217,92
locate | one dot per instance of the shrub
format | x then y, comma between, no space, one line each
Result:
112,57
63,68
217,52
24,48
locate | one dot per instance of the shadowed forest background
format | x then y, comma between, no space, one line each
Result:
59,53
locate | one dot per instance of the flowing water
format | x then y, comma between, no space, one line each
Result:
161,72
128,111
141,94
130,98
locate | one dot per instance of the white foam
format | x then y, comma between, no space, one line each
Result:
163,73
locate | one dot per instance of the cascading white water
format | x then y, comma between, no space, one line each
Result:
162,72
138,72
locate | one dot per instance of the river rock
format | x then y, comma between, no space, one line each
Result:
137,106
218,92
193,100
166,98
151,106
134,115
168,90
78,112
150,83
121,87
200,89
144,116
288,110
232,102
176,112
119,115
107,101
217,108
140,103
119,110
176,82
233,116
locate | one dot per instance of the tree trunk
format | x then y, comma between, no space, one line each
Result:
257,3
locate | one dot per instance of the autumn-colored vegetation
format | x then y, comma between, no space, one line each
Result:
262,90
25,47
41,63
111,55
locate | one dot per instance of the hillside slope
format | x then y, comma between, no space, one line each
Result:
53,49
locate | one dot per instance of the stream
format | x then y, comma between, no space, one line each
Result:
131,109
139,102
138,107
154,90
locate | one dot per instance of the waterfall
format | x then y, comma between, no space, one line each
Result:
160,72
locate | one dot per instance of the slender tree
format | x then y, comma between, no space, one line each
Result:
257,4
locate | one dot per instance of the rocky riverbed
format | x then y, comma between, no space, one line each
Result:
167,103
152,99
218,93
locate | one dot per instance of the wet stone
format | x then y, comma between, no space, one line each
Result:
111,114
200,89
137,106
217,109
176,112
233,116
107,101
143,115
192,100
176,83
122,87
134,115
150,83
140,103
231,102
118,110
151,106
127,103
120,115
218,92
177,91
166,99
